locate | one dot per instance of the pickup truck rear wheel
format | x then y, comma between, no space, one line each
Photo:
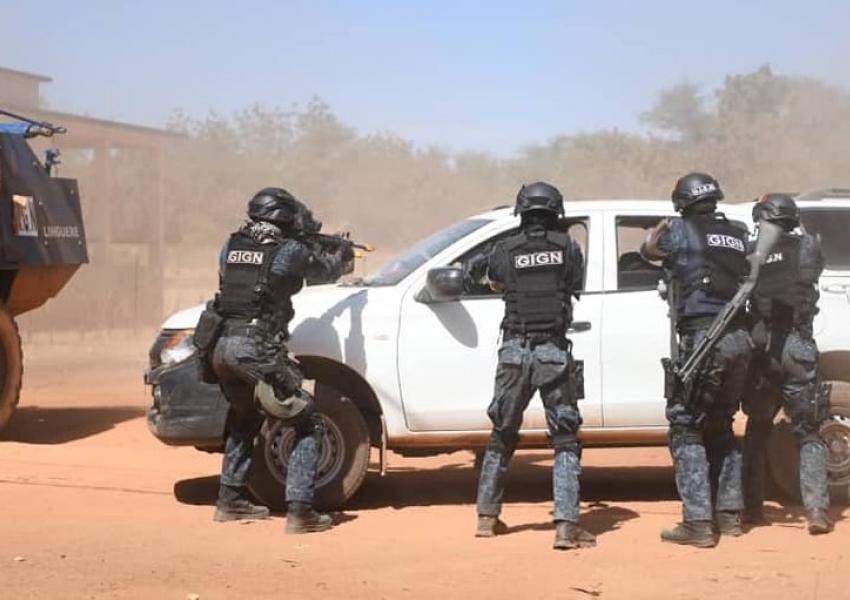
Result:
11,367
342,465
784,462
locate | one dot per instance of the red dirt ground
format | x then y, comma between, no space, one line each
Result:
95,507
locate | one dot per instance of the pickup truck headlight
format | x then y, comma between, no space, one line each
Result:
177,348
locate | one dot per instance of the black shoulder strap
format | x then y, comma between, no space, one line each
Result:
270,253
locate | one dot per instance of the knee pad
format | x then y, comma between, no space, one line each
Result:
810,407
309,420
563,419
679,436
502,443
812,437
566,442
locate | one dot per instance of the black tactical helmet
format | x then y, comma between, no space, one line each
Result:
539,196
279,207
694,188
777,208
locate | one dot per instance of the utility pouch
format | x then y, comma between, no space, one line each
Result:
577,378
670,378
287,374
207,332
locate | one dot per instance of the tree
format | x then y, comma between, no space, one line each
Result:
680,110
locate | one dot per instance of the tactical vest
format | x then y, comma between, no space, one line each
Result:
712,265
537,298
245,289
785,292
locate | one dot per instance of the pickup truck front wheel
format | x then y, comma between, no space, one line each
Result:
784,462
342,465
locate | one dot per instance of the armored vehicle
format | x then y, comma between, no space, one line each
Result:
42,241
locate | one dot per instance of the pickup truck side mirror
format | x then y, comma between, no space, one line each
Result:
444,284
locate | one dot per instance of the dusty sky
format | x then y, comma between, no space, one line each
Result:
490,76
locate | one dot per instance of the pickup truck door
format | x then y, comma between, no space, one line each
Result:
830,222
447,351
635,327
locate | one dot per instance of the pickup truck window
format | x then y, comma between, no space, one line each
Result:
832,225
476,284
633,272
416,256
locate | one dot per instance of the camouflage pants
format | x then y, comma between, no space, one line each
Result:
240,361
706,457
786,376
522,370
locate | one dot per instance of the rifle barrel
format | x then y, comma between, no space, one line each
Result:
336,240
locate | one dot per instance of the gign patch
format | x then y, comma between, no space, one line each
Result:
718,240
539,259
244,257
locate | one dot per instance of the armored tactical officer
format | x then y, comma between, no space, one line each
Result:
262,265
783,306
537,270
705,256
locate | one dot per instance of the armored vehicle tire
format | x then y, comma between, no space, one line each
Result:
343,463
11,367
784,462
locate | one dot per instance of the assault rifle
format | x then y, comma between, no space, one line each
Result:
767,236
335,241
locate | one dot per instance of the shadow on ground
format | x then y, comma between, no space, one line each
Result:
600,519
529,480
794,516
198,491
35,425
203,491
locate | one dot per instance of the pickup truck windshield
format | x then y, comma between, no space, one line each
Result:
832,224
413,258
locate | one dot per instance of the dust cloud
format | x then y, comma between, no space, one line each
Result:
757,132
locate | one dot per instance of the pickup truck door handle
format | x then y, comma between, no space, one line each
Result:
837,288
579,326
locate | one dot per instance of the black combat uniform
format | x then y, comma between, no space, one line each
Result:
785,372
705,256
539,269
263,265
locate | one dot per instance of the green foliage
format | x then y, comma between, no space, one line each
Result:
680,110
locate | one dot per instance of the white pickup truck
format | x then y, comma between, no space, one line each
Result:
404,359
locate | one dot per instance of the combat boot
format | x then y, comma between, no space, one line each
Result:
818,522
490,526
728,522
233,505
301,518
569,535
691,533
